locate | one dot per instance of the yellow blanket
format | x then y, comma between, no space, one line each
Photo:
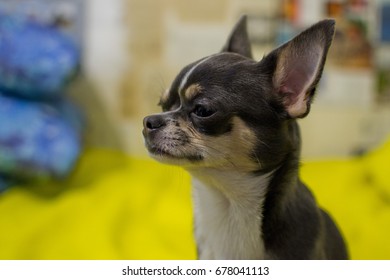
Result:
117,207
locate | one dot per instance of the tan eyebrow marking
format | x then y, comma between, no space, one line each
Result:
192,91
164,97
188,74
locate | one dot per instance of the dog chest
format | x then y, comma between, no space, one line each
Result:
228,216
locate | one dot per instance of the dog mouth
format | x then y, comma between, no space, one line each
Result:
158,151
161,153
171,146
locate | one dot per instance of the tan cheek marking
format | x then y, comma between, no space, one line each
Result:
239,144
226,151
192,91
242,134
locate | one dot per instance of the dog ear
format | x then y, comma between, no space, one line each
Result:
299,65
238,41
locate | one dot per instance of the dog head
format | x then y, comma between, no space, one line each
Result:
229,111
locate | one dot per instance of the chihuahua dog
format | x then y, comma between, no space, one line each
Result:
231,122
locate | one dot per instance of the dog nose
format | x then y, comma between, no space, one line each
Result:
154,122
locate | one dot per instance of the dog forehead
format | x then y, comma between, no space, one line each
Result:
209,68
221,70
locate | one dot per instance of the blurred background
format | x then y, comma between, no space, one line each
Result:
78,76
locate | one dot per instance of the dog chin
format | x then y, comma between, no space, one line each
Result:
173,157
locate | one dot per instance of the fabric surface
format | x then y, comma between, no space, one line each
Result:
38,139
40,130
117,207
36,60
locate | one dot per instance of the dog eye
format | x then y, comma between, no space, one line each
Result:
202,111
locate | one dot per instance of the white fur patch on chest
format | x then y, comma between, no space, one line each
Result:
228,215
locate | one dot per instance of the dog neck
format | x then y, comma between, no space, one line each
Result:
228,210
